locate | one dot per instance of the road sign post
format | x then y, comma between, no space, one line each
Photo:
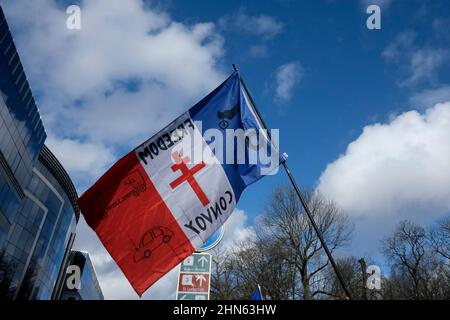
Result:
194,278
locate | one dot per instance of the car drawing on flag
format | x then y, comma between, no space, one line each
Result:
122,190
150,241
136,182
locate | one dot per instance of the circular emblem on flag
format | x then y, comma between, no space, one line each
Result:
213,240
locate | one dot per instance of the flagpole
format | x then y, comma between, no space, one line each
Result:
299,194
260,292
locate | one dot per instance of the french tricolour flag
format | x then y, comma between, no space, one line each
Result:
155,206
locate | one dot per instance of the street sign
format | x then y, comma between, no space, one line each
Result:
198,262
194,277
194,282
192,296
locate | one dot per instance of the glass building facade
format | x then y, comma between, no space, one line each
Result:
21,131
89,288
41,233
38,202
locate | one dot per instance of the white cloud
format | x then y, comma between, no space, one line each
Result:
430,97
424,65
127,72
78,157
119,40
258,50
393,171
261,25
114,284
236,230
403,41
286,77
258,29
419,65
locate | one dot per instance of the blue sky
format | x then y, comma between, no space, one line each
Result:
356,108
345,84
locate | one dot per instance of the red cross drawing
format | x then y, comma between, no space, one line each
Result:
188,175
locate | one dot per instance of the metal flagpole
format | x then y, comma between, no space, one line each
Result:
260,292
299,194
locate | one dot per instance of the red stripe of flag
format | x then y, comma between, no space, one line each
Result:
134,224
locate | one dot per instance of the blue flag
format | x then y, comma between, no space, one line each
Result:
257,295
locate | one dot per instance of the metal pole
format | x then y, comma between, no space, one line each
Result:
319,234
260,292
299,194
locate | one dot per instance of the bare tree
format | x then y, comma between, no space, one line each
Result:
285,221
286,258
354,274
440,238
237,273
264,263
440,242
408,251
223,286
